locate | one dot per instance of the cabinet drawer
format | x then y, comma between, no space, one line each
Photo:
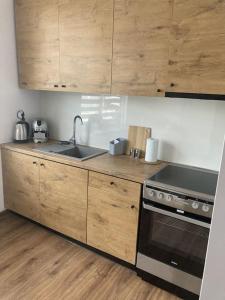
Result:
123,189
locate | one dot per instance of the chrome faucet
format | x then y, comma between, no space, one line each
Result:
73,140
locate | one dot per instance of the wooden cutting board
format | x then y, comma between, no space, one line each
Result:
137,137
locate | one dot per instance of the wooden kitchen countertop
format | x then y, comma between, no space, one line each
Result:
119,166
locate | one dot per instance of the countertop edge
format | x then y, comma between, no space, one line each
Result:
86,164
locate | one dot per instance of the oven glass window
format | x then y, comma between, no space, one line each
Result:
173,241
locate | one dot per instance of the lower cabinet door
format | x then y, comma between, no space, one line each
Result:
113,210
63,197
21,183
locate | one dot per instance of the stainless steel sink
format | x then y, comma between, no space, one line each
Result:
78,152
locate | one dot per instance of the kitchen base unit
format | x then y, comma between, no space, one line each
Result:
93,208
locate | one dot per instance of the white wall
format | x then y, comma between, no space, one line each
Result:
190,131
11,97
213,286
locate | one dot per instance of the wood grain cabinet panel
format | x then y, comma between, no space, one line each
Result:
141,47
86,29
63,198
113,209
21,184
37,43
197,47
102,211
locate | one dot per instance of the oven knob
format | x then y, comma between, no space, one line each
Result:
195,205
205,208
160,196
169,198
151,193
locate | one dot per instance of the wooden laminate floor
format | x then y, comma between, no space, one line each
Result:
37,264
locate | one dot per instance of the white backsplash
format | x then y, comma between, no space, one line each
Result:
190,131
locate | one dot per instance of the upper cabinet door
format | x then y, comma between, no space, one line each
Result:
86,29
37,43
140,47
197,54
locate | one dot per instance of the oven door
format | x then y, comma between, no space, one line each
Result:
174,239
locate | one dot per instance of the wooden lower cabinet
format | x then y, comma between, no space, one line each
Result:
63,198
113,210
21,183
93,208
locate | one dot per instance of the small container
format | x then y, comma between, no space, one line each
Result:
118,146
132,152
137,153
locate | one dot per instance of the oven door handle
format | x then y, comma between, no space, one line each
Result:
179,217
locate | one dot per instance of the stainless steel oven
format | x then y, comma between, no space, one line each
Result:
173,236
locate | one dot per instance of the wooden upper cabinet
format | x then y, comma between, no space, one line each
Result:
86,29
140,47
37,43
63,199
21,184
197,50
122,47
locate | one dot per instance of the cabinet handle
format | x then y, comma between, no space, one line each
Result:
159,90
35,163
132,206
112,183
56,85
42,165
172,84
63,86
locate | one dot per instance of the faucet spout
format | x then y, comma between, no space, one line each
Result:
74,127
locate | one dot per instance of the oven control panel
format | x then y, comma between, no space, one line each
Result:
178,201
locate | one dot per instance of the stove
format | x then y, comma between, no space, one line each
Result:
192,181
175,220
188,189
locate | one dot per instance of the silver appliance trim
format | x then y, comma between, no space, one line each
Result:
187,204
178,190
179,217
170,274
21,133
